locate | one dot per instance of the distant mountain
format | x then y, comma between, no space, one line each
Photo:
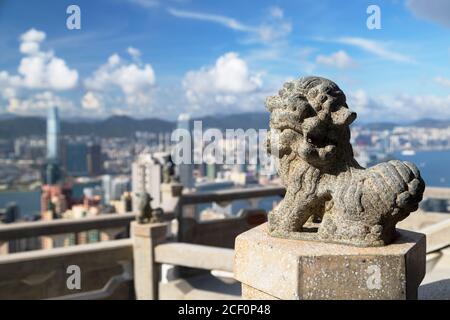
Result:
124,126
377,125
22,126
116,126
432,123
249,120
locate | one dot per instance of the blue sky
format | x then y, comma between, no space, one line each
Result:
158,58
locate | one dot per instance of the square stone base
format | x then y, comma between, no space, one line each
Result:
274,268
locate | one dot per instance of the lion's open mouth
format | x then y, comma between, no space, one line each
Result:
319,140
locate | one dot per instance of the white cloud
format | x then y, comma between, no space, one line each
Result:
433,10
135,81
91,101
114,60
230,74
398,107
424,106
228,82
33,35
38,104
442,81
8,85
276,12
223,20
377,48
363,104
39,69
146,3
30,47
134,53
274,29
339,59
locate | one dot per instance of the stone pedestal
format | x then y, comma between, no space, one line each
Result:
146,272
274,268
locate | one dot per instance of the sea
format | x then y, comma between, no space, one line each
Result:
433,165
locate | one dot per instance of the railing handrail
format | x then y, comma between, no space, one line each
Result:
193,256
437,235
22,230
437,193
232,194
60,253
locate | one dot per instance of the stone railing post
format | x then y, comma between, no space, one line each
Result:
274,268
146,272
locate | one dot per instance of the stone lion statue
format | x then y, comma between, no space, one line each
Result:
329,196
146,213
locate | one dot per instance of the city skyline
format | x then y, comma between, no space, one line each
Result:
148,58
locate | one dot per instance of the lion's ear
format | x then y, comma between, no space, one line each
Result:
271,103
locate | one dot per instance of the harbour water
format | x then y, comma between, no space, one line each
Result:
433,165
28,201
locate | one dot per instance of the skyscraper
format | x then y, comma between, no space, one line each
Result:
53,135
185,170
51,174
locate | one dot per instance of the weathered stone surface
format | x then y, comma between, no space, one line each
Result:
329,196
250,293
298,269
146,271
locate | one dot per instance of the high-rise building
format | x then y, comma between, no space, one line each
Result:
107,188
76,159
51,174
146,176
94,160
114,187
53,133
185,170
119,186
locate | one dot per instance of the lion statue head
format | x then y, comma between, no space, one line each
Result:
310,117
